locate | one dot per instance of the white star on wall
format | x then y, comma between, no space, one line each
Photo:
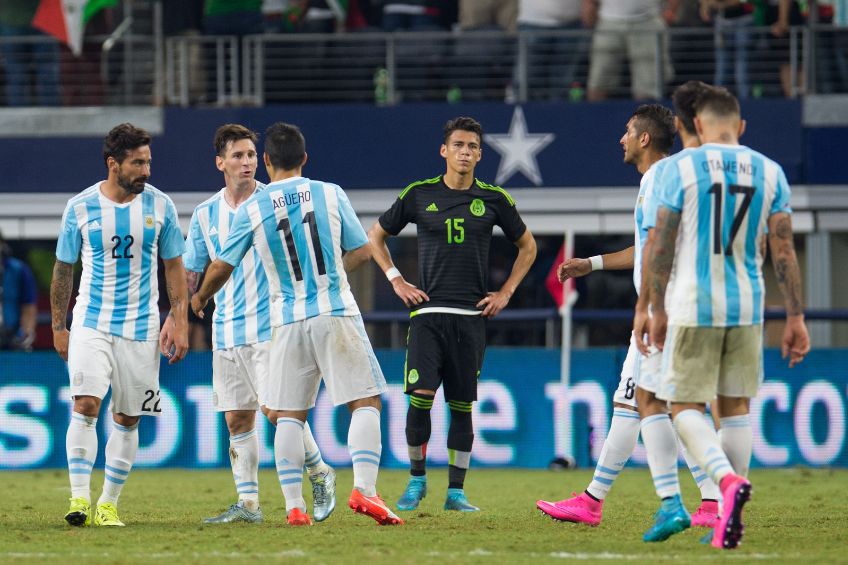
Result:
518,149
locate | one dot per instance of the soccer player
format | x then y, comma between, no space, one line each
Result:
300,228
241,331
646,143
121,226
455,214
717,203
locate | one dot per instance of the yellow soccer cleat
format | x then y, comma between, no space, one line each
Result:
79,514
107,515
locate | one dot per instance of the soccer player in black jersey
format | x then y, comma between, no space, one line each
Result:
455,214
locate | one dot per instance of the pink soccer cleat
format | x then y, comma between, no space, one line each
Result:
706,515
728,531
580,509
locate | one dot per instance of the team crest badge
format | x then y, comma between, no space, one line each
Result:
477,207
148,221
412,378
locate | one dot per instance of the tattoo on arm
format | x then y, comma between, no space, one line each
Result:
174,298
662,255
786,263
60,294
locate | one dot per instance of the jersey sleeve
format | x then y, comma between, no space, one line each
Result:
196,255
70,237
782,195
171,243
668,190
510,220
400,214
239,239
649,200
353,236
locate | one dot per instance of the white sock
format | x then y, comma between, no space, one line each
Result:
702,443
661,446
363,441
314,463
120,456
619,445
709,490
736,441
244,459
288,452
81,448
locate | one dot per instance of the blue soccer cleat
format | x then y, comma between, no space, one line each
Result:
416,489
456,501
670,519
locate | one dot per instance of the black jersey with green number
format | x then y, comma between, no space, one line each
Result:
454,234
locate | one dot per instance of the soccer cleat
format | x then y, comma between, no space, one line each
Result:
79,514
580,509
670,519
706,515
298,517
323,494
456,501
728,531
237,513
416,489
374,507
107,515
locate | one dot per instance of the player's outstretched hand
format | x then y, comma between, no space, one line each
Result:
197,305
573,269
60,342
640,330
658,324
409,293
493,303
796,340
166,337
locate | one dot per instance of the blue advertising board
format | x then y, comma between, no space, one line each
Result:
799,417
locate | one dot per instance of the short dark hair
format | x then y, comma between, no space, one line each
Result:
719,101
230,133
658,121
463,123
285,146
684,98
121,140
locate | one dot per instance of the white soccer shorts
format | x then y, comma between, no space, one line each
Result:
238,374
638,370
98,360
335,348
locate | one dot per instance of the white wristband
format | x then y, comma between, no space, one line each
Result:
597,262
392,274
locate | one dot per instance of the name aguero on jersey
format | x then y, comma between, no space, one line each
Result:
292,199
729,167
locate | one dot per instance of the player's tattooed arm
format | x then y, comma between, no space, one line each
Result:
60,293
662,256
177,288
782,245
217,275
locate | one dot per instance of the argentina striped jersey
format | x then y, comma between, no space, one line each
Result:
299,227
725,195
644,202
119,244
242,307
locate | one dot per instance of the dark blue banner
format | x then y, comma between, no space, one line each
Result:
522,417
362,146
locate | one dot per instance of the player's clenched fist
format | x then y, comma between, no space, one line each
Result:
573,268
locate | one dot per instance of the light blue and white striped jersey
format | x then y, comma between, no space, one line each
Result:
119,288
242,306
725,195
644,202
299,227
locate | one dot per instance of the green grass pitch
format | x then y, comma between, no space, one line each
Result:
795,514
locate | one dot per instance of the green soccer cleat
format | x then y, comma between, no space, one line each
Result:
416,489
237,513
107,515
456,501
323,494
79,514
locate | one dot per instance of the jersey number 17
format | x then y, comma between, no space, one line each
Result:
717,190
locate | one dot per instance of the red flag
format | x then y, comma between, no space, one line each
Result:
555,287
50,18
